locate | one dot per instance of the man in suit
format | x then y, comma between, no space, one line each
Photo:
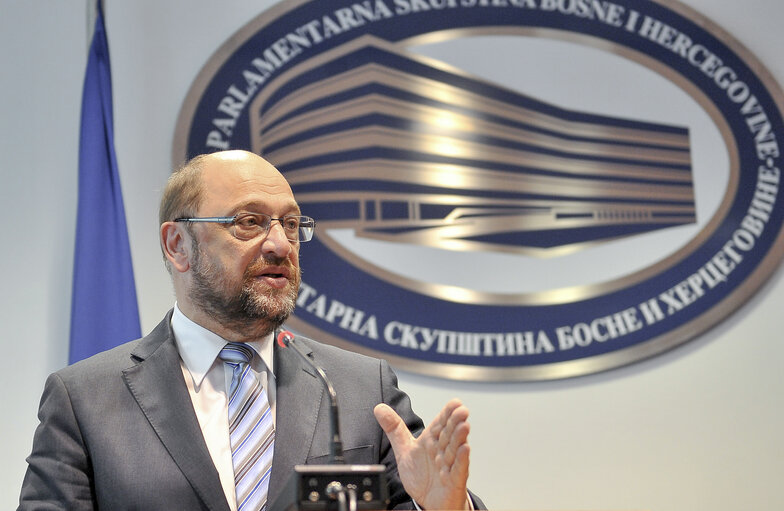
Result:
145,425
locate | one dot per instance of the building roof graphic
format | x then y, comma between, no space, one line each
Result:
406,149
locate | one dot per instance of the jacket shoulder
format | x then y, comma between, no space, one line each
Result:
120,357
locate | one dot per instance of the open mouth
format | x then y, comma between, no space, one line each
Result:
276,277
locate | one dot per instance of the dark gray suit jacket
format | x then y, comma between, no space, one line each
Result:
118,430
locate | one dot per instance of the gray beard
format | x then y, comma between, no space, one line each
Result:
247,312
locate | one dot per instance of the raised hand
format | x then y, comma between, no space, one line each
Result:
434,466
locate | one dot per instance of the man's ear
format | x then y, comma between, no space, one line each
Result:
175,242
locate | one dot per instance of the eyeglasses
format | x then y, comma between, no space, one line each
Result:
247,226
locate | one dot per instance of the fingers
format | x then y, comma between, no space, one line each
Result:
453,440
449,434
393,426
458,470
457,417
451,416
450,445
445,439
433,467
446,412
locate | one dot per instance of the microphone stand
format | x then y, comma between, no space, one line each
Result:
336,444
335,486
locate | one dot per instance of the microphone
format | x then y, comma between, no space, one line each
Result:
336,486
286,340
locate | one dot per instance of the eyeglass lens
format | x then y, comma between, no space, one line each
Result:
250,225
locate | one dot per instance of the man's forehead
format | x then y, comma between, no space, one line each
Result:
239,165
244,180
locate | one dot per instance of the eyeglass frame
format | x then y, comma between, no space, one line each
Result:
232,222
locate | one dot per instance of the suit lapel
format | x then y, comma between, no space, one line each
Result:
157,384
298,400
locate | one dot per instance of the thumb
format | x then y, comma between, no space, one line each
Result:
392,424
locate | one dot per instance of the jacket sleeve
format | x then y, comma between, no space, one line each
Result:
59,471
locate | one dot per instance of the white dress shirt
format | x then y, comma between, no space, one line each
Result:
208,382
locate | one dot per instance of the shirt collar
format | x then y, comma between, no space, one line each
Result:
199,347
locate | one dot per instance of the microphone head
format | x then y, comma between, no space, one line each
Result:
284,338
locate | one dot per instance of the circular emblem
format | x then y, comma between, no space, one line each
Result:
507,189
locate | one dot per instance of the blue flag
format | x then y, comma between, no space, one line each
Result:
104,310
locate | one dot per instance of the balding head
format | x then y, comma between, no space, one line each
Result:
184,191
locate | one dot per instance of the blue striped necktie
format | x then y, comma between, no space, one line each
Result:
251,429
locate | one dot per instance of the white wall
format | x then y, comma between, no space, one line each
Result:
697,428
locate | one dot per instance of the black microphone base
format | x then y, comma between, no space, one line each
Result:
310,487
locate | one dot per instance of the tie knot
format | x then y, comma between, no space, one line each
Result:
236,353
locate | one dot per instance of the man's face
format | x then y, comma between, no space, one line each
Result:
247,286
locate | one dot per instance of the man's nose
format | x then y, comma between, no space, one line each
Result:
276,241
